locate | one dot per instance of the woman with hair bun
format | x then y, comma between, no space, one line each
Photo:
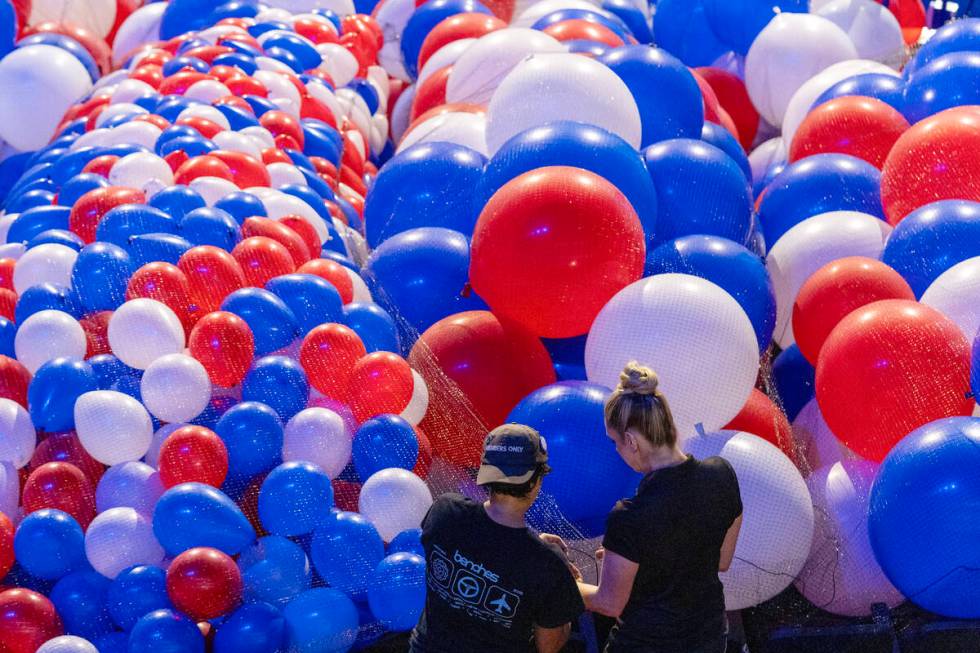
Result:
664,547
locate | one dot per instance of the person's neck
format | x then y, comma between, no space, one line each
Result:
507,511
662,457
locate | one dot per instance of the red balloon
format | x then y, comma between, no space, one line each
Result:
27,620
7,273
711,103
262,259
96,327
935,159
101,165
836,289
760,416
302,228
88,211
424,461
204,583
207,53
734,99
477,368
212,273
246,171
269,228
888,368
275,155
65,447
860,126
333,272
205,165
166,284
281,123
153,119
178,83
452,107
552,246
310,107
8,303
318,31
456,27
151,74
911,15
577,29
346,494
14,379
6,544
62,486
430,93
223,343
380,383
22,8
193,454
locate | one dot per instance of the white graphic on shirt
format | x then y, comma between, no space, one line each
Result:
467,585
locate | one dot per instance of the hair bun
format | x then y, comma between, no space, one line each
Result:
638,379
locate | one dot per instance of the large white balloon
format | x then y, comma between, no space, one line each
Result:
40,83
47,335
68,644
809,246
459,127
790,50
113,427
129,485
873,29
141,170
481,69
777,516
447,55
142,330
692,333
394,500
815,442
956,294
48,263
549,87
318,435
175,388
140,27
121,538
17,435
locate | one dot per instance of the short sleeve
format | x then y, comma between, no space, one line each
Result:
561,601
621,537
436,515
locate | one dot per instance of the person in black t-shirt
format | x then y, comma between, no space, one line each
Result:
492,585
664,547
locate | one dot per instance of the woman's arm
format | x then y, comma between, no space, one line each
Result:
728,545
615,584
551,640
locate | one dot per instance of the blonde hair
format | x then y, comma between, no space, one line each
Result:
636,404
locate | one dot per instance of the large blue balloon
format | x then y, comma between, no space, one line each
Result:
36,219
794,379
345,552
682,29
295,499
632,16
932,239
729,265
54,389
409,541
122,222
194,514
241,205
924,516
951,80
280,383
321,619
738,22
588,477
957,36
819,184
81,601
272,322
135,592
148,248
373,325
567,356
887,88
584,146
165,631
252,628
420,187
100,275
50,544
177,200
253,435
57,237
211,226
727,143
313,300
424,18
382,442
274,570
700,190
396,593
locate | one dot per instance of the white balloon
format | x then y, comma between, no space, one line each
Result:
132,89
279,204
481,69
141,170
692,333
419,403
447,55
318,435
815,441
285,173
97,16
459,127
392,16
549,87
394,500
17,435
40,83
121,538
841,574
47,263
5,222
68,644
339,7
809,246
263,137
338,62
790,50
113,427
319,91
175,388
763,157
873,29
236,142
47,335
777,517
119,109
212,189
13,250
956,294
278,85
129,485
207,90
9,491
129,133
529,11
362,294
401,113
207,112
142,330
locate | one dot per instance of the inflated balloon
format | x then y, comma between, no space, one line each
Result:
49,263
100,275
252,628
280,383
63,486
143,330
760,416
210,226
29,620
312,300
193,454
345,551
165,628
862,127
945,82
925,376
68,644
50,544
683,30
396,592
47,335
885,87
19,439
394,500
175,388
274,570
112,426
204,583
272,322
212,274
253,435
224,345
328,355
135,592
373,325
121,538
80,598
381,382
130,485
295,499
382,442
955,36
734,99
725,141
954,294
194,514
321,619
470,25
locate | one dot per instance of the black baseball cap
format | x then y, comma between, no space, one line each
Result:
511,454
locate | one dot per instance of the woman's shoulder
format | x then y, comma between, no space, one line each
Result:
717,466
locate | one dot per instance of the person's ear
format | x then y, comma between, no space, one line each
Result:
632,441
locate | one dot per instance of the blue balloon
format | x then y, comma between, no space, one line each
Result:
135,592
794,379
301,48
345,552
280,383
165,631
682,29
609,21
253,436
272,322
424,18
729,265
148,248
419,187
238,60
309,196
50,544
295,499
374,325
8,27
57,237
312,299
37,219
241,205
177,201
957,36
177,64
409,541
887,88
951,80
567,356
575,144
8,332
114,642
819,184
122,222
738,22
583,46
924,516
382,442
81,600
109,369
100,275
321,619
274,570
252,628
238,119
320,139
932,239
47,296
632,16
588,476
367,92
664,89
700,190
192,146
724,141
54,389
217,406
210,226
194,514
30,199
396,593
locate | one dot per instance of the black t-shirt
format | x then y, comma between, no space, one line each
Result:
674,528
488,584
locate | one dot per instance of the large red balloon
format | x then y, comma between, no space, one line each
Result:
193,454
467,25
760,416
282,234
224,344
835,290
888,368
431,92
62,486
165,283
246,171
27,620
14,379
283,126
202,166
302,228
328,355
7,273
6,544
552,246
380,383
935,159
734,99
477,368
91,207
212,273
65,447
262,259
204,583
860,126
